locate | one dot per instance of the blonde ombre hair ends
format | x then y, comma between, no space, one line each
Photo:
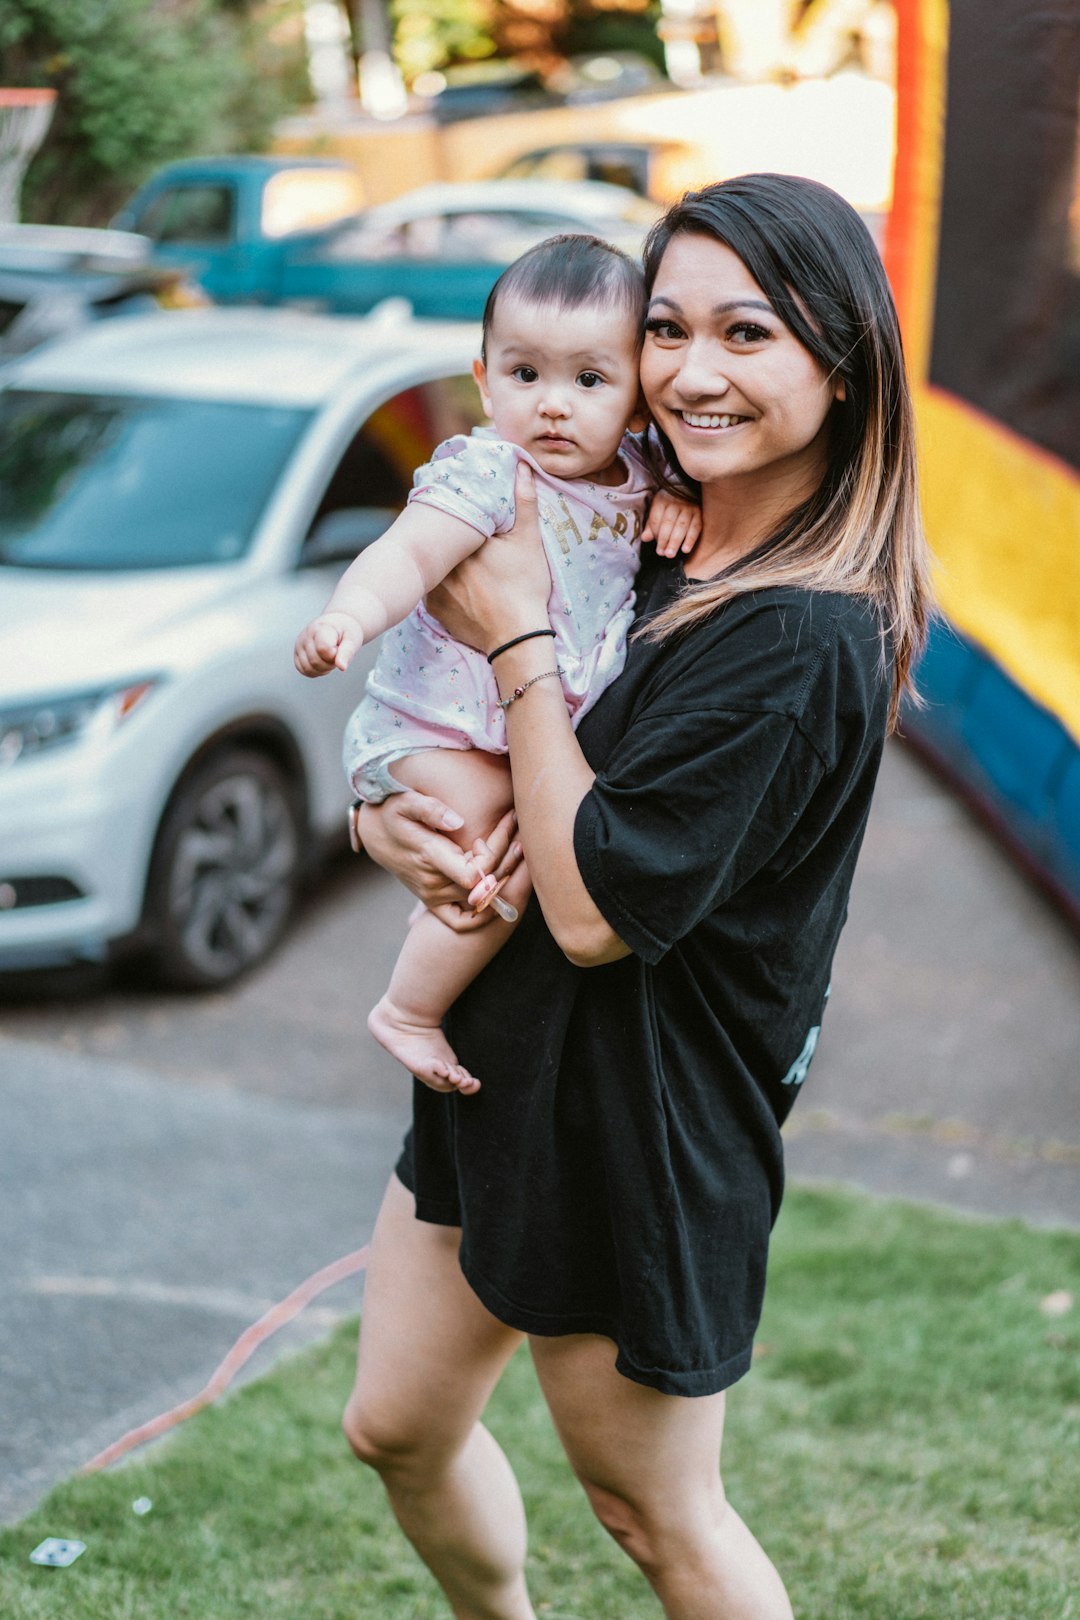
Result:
860,533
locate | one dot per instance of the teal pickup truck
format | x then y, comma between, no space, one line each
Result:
235,223
289,231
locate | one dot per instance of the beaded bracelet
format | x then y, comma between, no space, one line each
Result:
519,691
528,636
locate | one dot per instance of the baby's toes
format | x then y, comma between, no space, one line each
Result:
439,1076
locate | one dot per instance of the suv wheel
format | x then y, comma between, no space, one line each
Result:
225,871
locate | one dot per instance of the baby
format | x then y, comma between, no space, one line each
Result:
558,375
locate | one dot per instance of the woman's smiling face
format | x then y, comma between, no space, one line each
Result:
734,390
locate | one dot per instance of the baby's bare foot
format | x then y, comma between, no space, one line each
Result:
422,1048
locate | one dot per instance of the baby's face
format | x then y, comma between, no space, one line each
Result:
562,384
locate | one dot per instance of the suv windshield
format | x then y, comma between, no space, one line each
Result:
96,482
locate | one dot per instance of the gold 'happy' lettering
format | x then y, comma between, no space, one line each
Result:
564,528
562,524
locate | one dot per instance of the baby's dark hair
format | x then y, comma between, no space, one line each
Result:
569,272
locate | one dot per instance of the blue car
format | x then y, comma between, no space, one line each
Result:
441,247
264,230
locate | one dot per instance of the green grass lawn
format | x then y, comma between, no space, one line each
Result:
907,1447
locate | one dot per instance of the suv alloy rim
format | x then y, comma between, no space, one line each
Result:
230,886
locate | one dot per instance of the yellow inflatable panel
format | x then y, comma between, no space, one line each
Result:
1004,521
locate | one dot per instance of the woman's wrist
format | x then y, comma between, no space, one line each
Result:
510,625
515,641
525,662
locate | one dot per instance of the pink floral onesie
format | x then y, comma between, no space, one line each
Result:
428,690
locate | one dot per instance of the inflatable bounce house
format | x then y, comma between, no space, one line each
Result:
983,249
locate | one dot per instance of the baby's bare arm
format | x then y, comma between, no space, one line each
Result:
383,585
391,576
674,524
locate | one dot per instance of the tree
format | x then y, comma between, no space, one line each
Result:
440,33
434,33
140,82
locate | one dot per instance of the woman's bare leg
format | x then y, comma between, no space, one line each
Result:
435,965
650,1465
430,1355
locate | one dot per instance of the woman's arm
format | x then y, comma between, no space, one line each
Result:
551,776
487,602
381,586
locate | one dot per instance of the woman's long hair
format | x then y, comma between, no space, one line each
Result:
860,532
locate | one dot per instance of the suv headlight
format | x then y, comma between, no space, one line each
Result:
27,729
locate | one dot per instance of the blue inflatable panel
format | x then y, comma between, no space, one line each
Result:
1021,747
1067,824
949,669
1006,753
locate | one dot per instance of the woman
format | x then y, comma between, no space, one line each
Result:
610,1190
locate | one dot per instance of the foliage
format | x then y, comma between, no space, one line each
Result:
593,29
431,34
905,1446
441,33
140,82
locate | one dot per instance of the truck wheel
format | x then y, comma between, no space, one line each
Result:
225,871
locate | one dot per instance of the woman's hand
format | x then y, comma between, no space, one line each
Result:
408,835
502,590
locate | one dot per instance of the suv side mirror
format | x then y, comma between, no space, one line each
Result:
340,535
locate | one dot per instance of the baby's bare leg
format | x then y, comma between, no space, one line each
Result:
435,964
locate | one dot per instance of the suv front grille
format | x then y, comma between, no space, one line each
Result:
16,893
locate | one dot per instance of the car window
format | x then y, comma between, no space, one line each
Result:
377,468
485,235
367,241
478,234
495,236
305,199
626,170
197,213
97,482
424,238
561,164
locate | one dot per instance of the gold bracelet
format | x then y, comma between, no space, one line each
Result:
519,691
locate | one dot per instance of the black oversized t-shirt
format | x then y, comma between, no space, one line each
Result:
621,1168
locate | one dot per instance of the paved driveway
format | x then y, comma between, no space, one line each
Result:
171,1165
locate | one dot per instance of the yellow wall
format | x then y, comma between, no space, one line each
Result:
390,158
728,130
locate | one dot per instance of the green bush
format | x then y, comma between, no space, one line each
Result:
140,82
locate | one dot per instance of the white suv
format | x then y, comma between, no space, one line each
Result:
177,495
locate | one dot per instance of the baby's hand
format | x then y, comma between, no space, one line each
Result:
675,525
329,642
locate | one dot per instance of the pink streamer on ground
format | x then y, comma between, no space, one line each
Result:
244,1348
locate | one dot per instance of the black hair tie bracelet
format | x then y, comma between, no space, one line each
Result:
528,636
